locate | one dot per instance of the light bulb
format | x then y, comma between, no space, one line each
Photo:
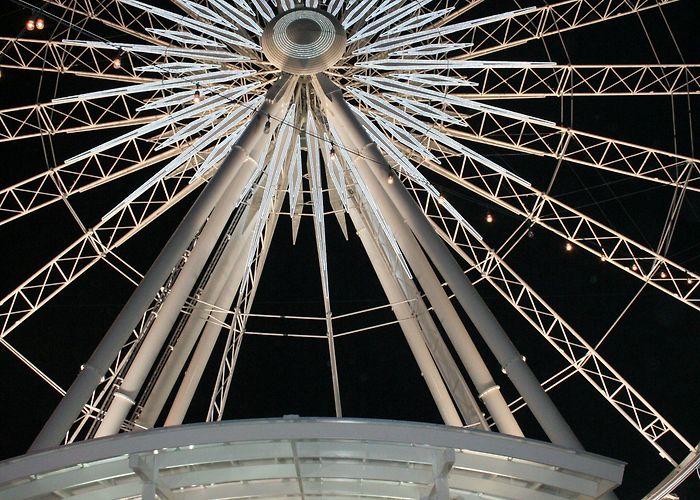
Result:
634,267
39,23
663,274
117,62
569,247
332,154
489,217
29,25
441,200
390,179
197,96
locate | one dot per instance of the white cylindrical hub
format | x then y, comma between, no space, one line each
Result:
304,41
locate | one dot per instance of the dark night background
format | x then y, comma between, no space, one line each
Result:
654,346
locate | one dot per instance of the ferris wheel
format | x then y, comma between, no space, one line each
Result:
503,184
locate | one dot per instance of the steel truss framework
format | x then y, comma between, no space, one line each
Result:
194,105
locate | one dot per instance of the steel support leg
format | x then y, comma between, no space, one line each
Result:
210,334
92,371
126,395
205,346
375,171
234,253
487,389
408,324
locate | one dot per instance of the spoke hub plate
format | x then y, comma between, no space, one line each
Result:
304,41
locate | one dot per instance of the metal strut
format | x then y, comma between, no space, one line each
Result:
92,371
376,177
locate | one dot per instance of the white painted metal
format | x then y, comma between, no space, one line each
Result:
415,115
511,361
222,276
313,162
409,325
93,370
338,459
417,325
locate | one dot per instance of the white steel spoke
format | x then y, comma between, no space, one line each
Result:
609,245
114,14
65,180
579,147
583,80
485,264
545,21
389,43
380,23
464,7
225,35
314,167
207,55
357,12
92,246
238,16
334,6
59,57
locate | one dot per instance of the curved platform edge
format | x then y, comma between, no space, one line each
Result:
297,457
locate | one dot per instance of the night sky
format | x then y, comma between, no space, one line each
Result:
654,346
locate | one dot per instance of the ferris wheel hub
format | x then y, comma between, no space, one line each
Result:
304,41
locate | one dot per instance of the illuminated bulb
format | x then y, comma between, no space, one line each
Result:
117,62
39,23
602,258
197,96
489,218
390,179
29,25
332,154
634,267
569,247
690,280
663,274
441,200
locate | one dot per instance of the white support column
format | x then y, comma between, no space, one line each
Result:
462,396
125,397
375,171
408,323
314,169
479,373
487,389
87,380
244,303
233,254
206,343
210,334
157,334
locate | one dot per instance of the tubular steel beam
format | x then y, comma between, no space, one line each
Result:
376,176
69,407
